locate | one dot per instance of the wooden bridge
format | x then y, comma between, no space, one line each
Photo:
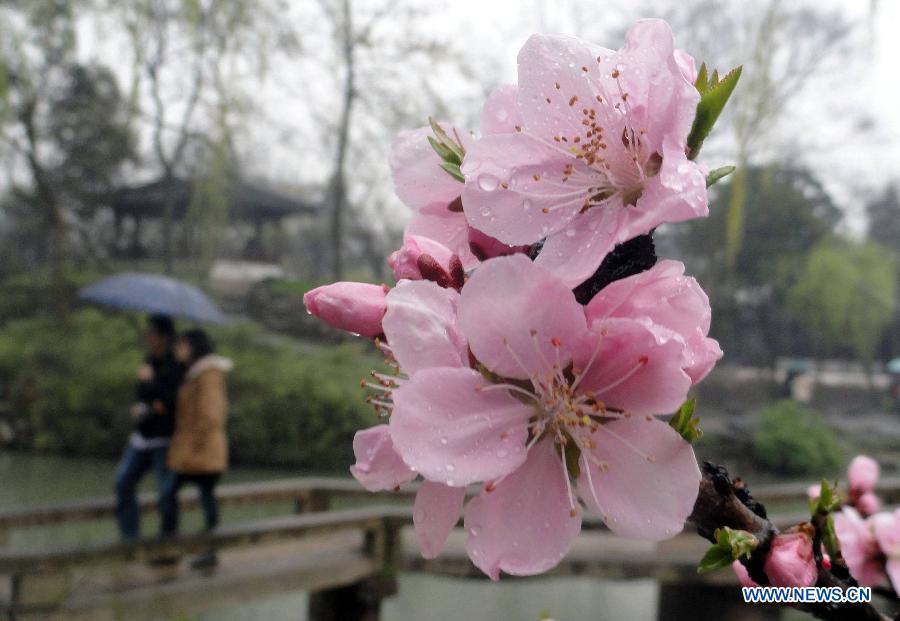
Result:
347,558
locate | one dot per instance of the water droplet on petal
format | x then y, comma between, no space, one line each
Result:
488,183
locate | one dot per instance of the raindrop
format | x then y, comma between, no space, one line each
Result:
444,441
488,183
526,204
502,453
449,468
570,232
475,531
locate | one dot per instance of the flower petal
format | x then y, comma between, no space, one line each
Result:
546,61
501,111
420,326
435,513
524,526
514,190
512,313
575,253
676,194
858,547
446,227
663,101
633,365
450,430
378,467
667,297
419,180
650,482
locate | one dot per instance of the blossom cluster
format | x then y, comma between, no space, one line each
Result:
869,541
504,379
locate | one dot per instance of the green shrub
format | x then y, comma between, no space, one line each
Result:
792,439
70,386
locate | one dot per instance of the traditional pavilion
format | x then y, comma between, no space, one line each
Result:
248,203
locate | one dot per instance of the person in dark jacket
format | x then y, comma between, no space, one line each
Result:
153,414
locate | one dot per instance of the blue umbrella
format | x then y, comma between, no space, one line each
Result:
151,293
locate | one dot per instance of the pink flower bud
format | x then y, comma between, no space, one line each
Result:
814,491
790,562
868,504
862,474
743,575
406,262
352,306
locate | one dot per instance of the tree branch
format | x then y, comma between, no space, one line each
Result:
723,502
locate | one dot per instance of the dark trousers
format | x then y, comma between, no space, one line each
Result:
207,486
134,465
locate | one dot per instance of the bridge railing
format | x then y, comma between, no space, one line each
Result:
43,582
318,494
347,585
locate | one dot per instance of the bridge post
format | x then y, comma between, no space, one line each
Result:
361,601
38,592
687,601
312,500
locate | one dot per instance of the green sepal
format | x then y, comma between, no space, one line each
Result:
714,94
730,545
453,170
827,501
446,140
685,424
718,174
445,153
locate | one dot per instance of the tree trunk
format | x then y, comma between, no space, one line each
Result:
338,189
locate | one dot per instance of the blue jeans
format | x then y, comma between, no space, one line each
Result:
169,500
134,465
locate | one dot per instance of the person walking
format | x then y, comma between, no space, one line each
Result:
153,416
198,452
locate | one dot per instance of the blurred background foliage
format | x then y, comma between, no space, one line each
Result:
243,146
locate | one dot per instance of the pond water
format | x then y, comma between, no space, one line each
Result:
39,479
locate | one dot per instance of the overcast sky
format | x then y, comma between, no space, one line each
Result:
852,162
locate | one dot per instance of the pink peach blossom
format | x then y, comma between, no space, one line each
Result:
790,561
352,306
670,299
506,425
600,157
378,467
859,547
434,196
743,575
423,258
862,474
886,527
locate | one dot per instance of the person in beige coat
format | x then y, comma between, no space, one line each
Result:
198,450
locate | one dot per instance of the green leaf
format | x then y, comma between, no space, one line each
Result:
828,499
718,174
444,152
713,98
684,423
702,81
715,558
829,538
454,171
730,545
446,141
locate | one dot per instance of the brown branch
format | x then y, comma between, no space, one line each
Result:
723,502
